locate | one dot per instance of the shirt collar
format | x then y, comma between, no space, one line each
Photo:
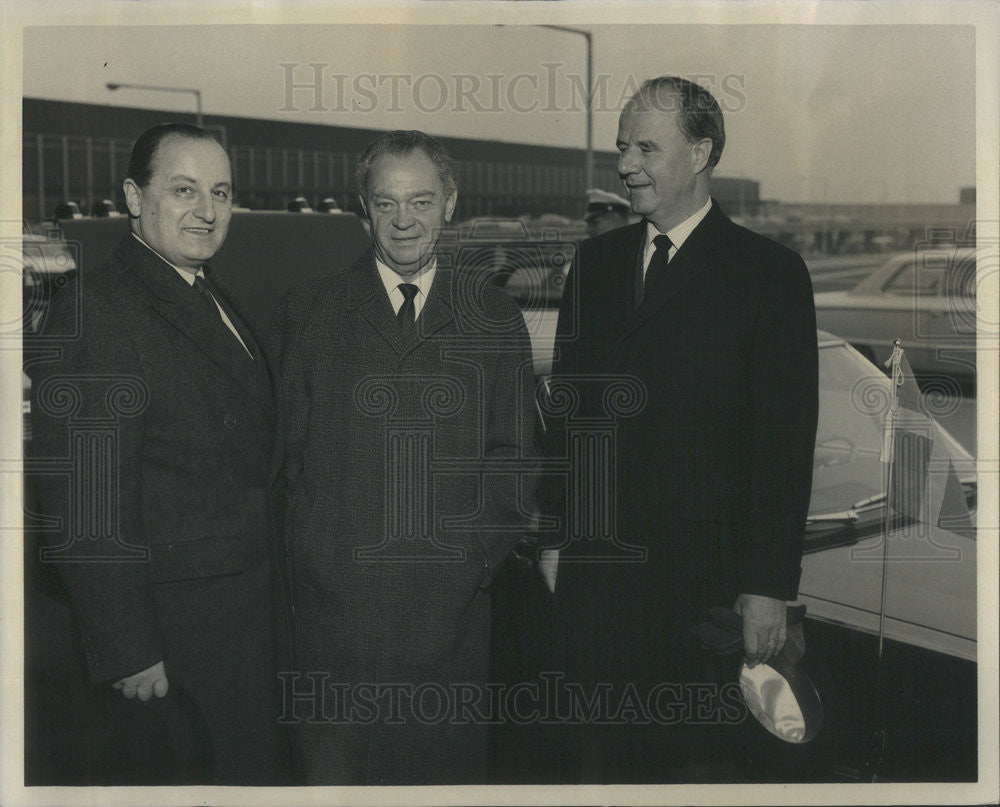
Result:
422,279
187,276
679,234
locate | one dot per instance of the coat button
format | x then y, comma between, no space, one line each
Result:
229,422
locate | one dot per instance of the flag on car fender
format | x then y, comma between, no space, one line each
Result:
922,482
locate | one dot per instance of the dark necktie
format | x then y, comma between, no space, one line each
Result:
647,280
407,312
213,303
205,295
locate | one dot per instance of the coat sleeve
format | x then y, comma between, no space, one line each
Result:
565,362
565,358
288,351
510,434
88,414
784,407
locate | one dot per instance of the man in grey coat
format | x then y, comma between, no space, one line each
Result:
406,385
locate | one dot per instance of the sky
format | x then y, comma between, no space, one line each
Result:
835,113
821,113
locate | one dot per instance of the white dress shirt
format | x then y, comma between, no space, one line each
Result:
677,235
422,280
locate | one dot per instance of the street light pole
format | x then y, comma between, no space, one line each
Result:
197,94
588,170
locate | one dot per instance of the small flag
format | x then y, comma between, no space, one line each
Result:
923,483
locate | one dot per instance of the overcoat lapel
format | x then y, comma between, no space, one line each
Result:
438,310
367,293
262,366
626,281
176,302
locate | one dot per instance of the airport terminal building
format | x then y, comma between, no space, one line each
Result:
79,152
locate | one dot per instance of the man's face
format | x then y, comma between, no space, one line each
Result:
407,206
183,213
657,164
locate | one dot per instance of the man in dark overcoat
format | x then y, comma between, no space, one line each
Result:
406,386
710,329
160,401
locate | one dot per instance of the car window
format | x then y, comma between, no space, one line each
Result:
924,279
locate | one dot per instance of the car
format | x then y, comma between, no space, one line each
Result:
530,264
842,564
48,262
925,297
930,596
890,602
841,272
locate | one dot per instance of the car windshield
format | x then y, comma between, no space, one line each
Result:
853,395
846,466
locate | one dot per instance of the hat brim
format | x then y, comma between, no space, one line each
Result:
783,699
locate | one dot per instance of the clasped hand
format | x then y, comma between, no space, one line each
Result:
145,684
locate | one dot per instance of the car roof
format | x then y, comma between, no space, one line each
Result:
874,282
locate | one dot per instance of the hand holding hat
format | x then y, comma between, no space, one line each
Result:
777,692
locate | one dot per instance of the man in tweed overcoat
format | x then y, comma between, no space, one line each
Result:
407,424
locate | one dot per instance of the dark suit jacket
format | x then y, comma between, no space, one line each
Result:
714,469
166,542
394,533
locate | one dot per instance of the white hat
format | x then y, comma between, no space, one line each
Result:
599,202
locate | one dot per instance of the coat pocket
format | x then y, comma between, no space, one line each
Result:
213,556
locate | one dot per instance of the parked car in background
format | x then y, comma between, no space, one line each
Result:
897,672
841,272
48,262
530,264
530,260
925,297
